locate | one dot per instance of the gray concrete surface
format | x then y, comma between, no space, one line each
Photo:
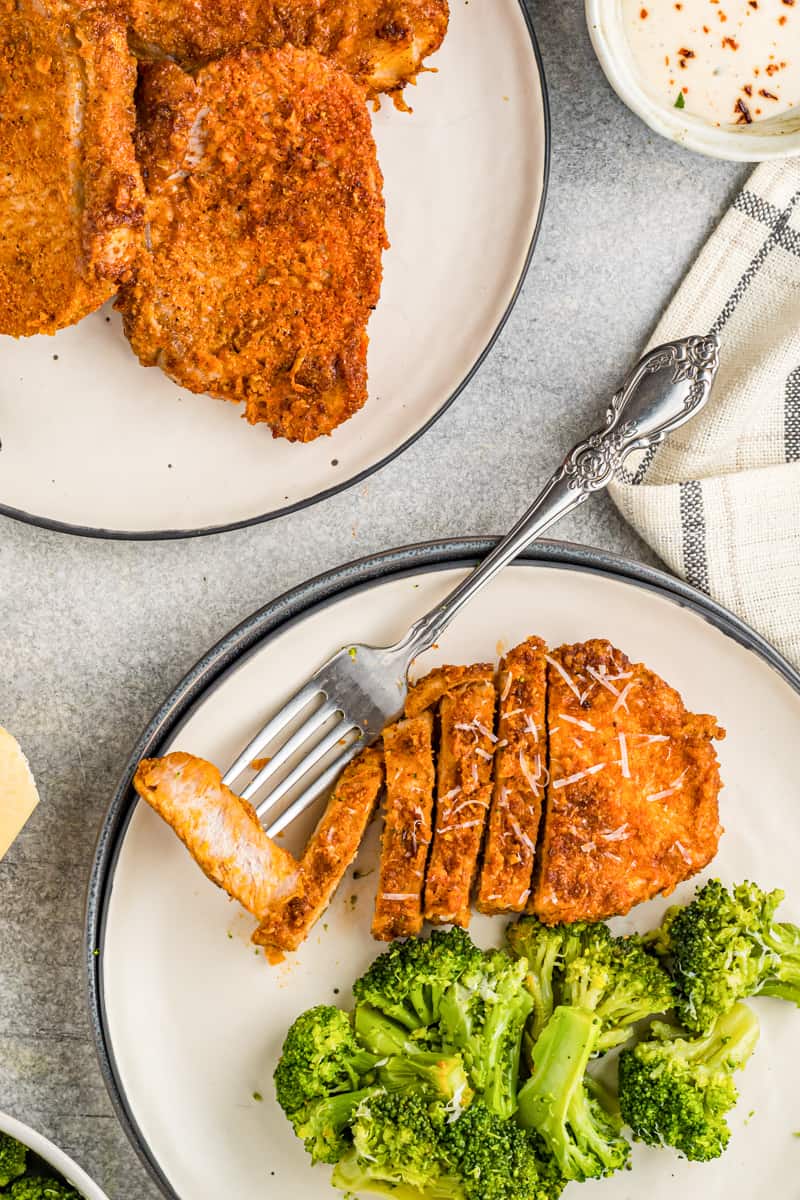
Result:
94,634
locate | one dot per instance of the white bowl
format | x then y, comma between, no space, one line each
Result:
778,137
54,1157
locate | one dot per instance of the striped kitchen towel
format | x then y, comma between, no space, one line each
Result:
720,500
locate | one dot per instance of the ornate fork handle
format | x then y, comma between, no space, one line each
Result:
666,388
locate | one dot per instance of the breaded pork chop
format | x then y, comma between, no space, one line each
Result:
383,43
333,845
520,772
221,831
70,191
632,799
265,229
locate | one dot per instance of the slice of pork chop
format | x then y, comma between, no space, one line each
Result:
383,43
265,229
70,191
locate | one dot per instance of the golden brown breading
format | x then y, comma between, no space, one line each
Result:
330,850
520,769
221,831
463,795
408,811
631,804
381,42
265,224
70,190
428,691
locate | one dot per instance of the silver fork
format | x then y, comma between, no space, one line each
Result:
362,688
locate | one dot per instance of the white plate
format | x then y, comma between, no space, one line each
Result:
189,1019
51,1154
96,443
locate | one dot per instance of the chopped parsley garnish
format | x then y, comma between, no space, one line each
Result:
680,102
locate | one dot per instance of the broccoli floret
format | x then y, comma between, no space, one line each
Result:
618,981
397,1150
676,1092
483,1015
408,981
36,1187
13,1156
496,1160
321,1057
583,1137
408,1065
323,1125
542,946
726,946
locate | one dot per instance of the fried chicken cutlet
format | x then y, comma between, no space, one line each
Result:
631,805
383,43
70,190
265,229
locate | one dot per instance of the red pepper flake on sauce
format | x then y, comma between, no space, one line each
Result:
744,117
731,43
643,14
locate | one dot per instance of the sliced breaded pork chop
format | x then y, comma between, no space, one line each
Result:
463,796
520,773
220,830
632,798
286,923
70,191
383,43
407,830
265,229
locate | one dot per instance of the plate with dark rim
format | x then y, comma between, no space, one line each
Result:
189,1020
95,444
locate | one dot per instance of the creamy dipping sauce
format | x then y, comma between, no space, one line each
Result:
732,62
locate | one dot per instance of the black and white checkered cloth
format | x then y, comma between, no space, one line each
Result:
720,500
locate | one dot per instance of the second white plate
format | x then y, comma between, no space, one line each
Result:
95,443
190,1020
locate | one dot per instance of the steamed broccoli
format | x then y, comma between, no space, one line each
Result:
496,1160
13,1156
408,981
323,1125
582,1136
726,946
542,946
407,1065
397,1150
483,1015
321,1057
676,1092
618,981
37,1187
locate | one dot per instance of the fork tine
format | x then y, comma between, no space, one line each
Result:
315,789
289,747
316,752
273,727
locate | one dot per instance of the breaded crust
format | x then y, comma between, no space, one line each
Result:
463,795
330,850
383,43
428,691
265,225
520,771
632,800
70,190
408,812
221,831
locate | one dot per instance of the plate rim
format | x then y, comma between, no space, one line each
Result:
265,622
157,535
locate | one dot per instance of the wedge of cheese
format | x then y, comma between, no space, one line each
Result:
18,795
